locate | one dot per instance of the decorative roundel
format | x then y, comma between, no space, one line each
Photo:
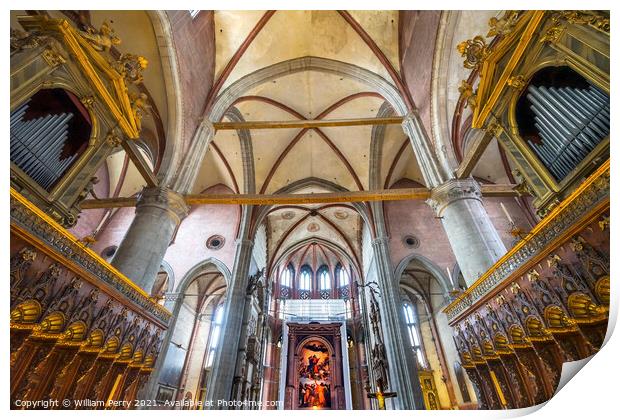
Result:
341,214
313,227
215,242
288,215
411,241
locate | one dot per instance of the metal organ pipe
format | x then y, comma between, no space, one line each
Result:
598,127
570,123
37,145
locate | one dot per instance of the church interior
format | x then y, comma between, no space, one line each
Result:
306,210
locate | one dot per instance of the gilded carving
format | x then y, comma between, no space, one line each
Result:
103,39
21,40
504,25
34,222
52,57
468,94
131,67
595,19
139,106
113,138
517,82
474,51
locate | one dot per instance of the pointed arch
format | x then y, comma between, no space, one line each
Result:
426,263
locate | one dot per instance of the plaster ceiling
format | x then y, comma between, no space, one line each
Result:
286,36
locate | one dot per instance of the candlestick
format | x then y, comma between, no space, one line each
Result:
512,222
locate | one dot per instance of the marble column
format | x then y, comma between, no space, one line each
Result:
473,238
221,381
158,214
403,371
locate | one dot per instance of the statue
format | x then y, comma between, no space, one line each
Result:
139,106
131,67
102,40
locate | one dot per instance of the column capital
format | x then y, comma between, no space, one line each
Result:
244,242
410,120
453,190
380,240
207,126
165,199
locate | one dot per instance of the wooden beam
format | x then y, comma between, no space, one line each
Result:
480,143
136,157
499,190
259,125
397,194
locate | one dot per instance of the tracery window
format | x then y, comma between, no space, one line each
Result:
216,331
411,321
343,276
286,278
324,279
325,282
305,282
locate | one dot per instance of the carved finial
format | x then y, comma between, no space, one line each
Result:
533,275
474,50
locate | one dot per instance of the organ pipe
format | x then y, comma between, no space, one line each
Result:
37,145
570,123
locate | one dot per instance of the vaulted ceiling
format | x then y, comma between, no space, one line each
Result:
340,155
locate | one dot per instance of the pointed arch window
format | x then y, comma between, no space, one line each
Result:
343,276
413,330
216,331
305,279
325,281
286,278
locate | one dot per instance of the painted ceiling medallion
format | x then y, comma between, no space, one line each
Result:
288,215
340,214
313,227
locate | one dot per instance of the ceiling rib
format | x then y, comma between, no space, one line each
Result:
380,55
235,59
299,135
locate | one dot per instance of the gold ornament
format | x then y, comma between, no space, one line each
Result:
474,50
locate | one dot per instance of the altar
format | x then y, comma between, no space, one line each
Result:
316,376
